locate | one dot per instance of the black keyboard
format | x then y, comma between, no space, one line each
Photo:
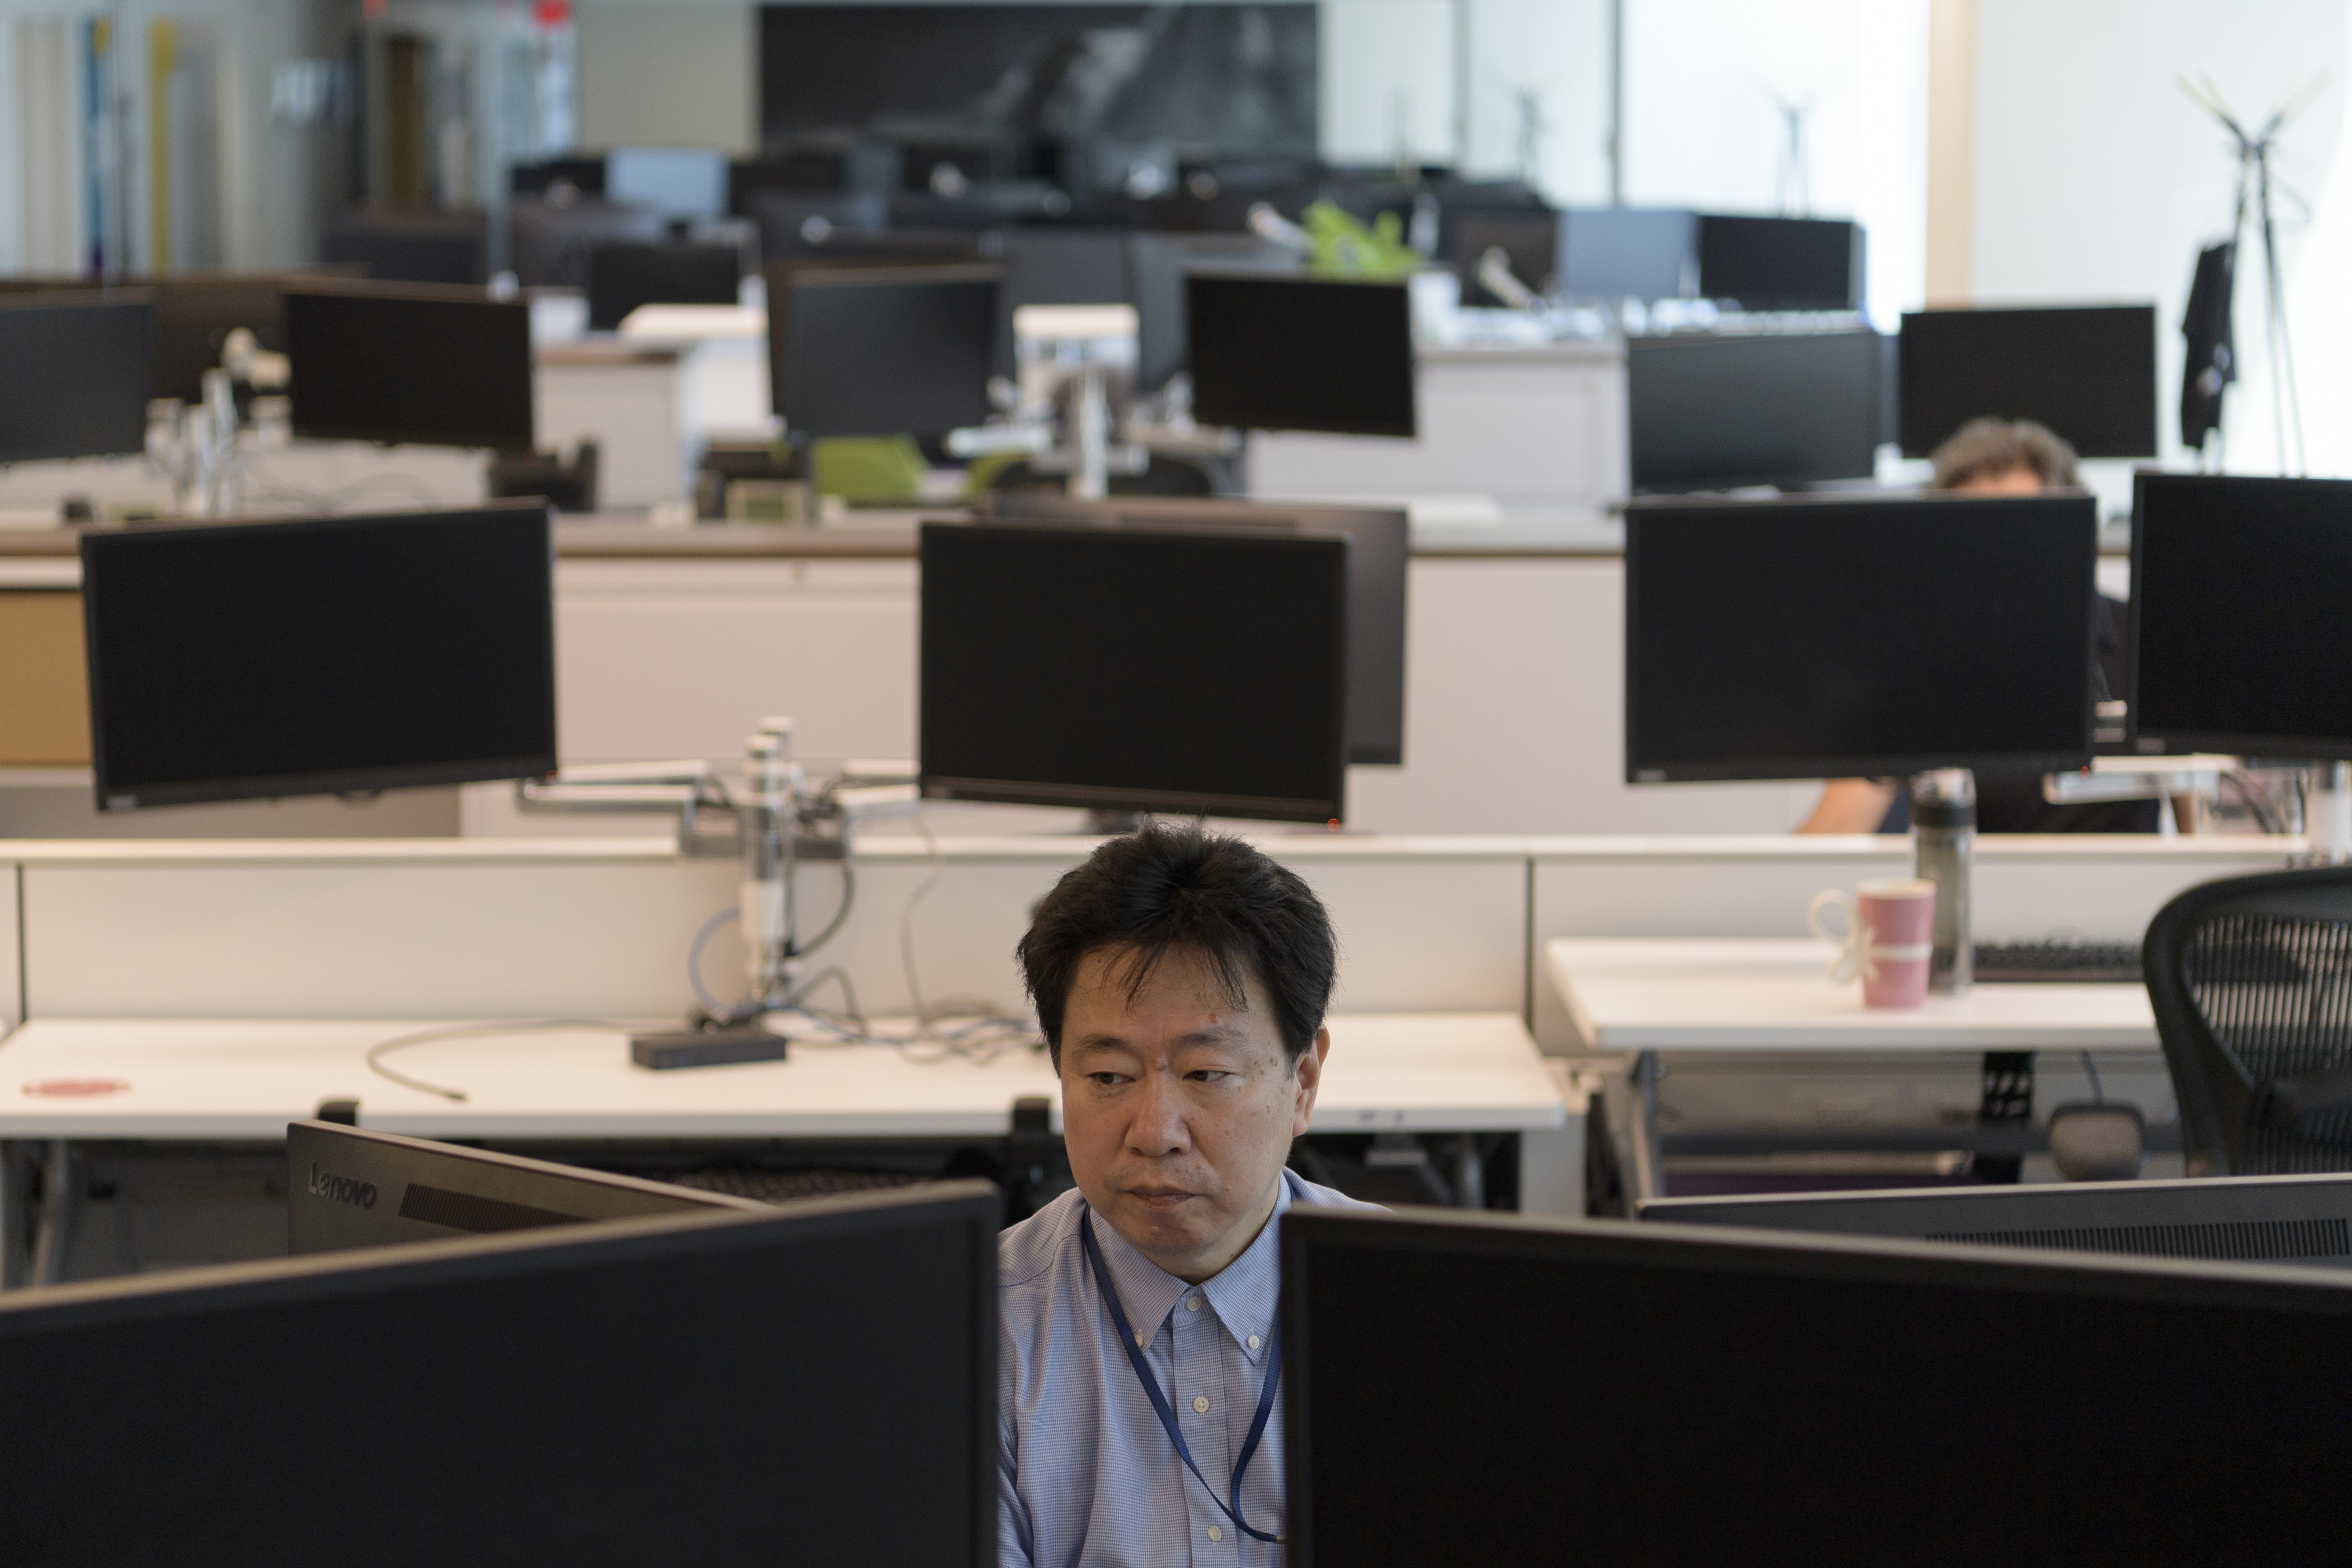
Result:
782,1186
2008,962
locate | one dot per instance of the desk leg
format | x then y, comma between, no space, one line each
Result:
15,1187
57,1214
1649,1173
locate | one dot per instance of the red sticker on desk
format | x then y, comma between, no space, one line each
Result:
75,1088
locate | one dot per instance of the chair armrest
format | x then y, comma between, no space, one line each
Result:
2293,1104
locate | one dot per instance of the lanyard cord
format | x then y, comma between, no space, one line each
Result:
1127,1342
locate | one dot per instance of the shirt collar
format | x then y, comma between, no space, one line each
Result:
1243,1295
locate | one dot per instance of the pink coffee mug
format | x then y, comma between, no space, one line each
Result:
1889,928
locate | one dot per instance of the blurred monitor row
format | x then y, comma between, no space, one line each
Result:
1764,640
1767,264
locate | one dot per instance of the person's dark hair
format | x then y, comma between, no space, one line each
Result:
1170,886
1983,447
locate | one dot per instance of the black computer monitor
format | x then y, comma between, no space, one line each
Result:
583,173
399,245
1158,265
1380,556
548,242
2239,635
1591,1391
1528,239
1708,411
811,1383
1077,666
1060,267
623,277
252,660
1788,640
195,312
1300,353
2086,371
1781,263
798,224
881,350
347,1188
2246,1219
1628,253
80,367
445,369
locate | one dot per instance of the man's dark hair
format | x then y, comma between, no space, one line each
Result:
1170,886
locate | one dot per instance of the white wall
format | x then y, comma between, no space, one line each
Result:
1703,82
2096,178
667,73
1559,49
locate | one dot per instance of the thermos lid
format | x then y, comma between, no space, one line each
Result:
1943,813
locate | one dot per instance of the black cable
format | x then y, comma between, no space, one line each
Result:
2264,816
2098,1095
840,916
469,1031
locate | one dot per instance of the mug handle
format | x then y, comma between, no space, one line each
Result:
1838,897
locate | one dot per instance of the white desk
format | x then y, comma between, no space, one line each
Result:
228,1080
216,1081
1773,994
1644,997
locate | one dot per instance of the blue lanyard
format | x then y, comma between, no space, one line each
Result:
1127,1342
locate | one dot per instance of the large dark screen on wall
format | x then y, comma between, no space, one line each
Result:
2088,373
1132,670
1832,639
2239,595
1224,79
254,660
436,370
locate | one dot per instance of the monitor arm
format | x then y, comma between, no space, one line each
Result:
777,823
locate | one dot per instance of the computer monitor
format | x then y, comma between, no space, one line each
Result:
816,1383
1300,353
1628,253
623,277
675,181
2238,629
80,367
1708,411
1788,640
799,223
881,350
1129,670
548,242
2086,371
1059,267
1781,263
1528,239
399,245
195,312
584,173
445,369
1379,556
253,660
2246,1219
1601,1392
347,1188
1158,264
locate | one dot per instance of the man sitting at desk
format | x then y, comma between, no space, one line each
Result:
1180,980
2001,458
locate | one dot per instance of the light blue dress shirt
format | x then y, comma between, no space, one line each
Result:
1086,1473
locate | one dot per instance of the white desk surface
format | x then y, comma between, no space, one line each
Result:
1461,1072
1710,994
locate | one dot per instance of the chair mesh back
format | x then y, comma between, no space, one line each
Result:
2276,991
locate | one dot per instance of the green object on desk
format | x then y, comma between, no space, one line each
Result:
867,467
1344,248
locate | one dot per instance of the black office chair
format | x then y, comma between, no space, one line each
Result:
2251,978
